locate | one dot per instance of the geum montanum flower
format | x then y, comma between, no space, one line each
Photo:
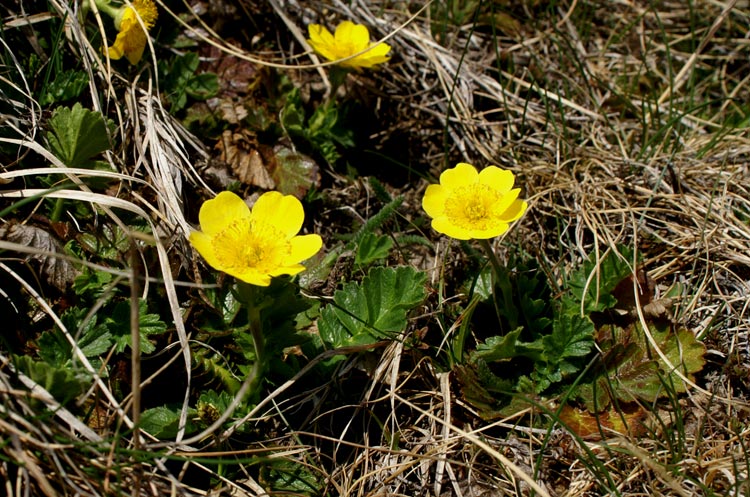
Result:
348,40
132,39
256,245
469,204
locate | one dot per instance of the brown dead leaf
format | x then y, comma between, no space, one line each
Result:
59,273
240,151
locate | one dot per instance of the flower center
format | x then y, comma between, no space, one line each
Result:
471,206
247,244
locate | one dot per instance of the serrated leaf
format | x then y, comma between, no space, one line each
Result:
61,382
508,346
285,476
637,372
572,336
65,86
375,309
93,339
593,285
202,86
91,281
371,248
118,325
76,135
163,422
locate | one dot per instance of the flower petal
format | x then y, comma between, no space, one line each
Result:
499,208
205,248
433,201
499,179
461,175
491,232
252,276
445,226
515,211
218,213
290,270
322,41
283,212
303,247
378,54
352,35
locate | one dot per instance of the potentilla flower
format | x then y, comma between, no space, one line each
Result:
132,39
469,204
348,40
254,245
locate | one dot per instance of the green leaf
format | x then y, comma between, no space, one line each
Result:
164,422
66,85
76,135
572,336
91,282
497,348
93,339
375,309
202,86
593,284
386,213
371,248
181,82
61,382
118,325
289,477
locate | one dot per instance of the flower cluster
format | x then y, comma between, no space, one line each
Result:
254,245
350,44
469,204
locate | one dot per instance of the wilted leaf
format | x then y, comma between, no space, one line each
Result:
293,173
627,420
638,372
59,273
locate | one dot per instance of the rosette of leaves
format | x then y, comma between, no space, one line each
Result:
598,306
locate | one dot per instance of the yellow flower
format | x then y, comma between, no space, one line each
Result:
254,245
469,204
349,39
132,39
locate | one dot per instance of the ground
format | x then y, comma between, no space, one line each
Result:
607,353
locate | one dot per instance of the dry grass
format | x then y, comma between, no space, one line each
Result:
625,122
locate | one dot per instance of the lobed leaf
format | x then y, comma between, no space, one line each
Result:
76,135
375,309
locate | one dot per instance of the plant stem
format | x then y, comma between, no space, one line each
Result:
501,283
58,210
256,332
496,268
